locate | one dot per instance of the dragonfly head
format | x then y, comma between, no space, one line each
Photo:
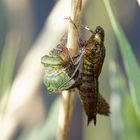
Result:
95,45
99,34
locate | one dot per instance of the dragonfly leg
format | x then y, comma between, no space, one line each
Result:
76,85
71,21
84,26
74,73
80,41
87,28
80,56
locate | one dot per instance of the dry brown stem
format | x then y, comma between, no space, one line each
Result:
67,97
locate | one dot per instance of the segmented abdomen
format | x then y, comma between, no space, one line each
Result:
58,69
89,91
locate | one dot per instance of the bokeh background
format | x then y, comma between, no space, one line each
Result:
28,30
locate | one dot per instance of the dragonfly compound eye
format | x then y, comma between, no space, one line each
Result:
94,50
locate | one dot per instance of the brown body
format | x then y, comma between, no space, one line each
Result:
93,60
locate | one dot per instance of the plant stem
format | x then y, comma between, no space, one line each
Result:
67,98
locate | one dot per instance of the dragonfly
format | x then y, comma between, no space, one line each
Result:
63,72
92,62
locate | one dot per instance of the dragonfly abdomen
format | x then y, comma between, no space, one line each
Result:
93,60
89,91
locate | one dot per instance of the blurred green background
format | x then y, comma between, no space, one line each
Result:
28,31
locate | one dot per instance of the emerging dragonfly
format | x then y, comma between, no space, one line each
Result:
92,62
64,72
61,69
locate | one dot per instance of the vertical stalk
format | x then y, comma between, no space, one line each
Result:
67,98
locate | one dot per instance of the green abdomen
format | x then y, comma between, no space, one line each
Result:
56,80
